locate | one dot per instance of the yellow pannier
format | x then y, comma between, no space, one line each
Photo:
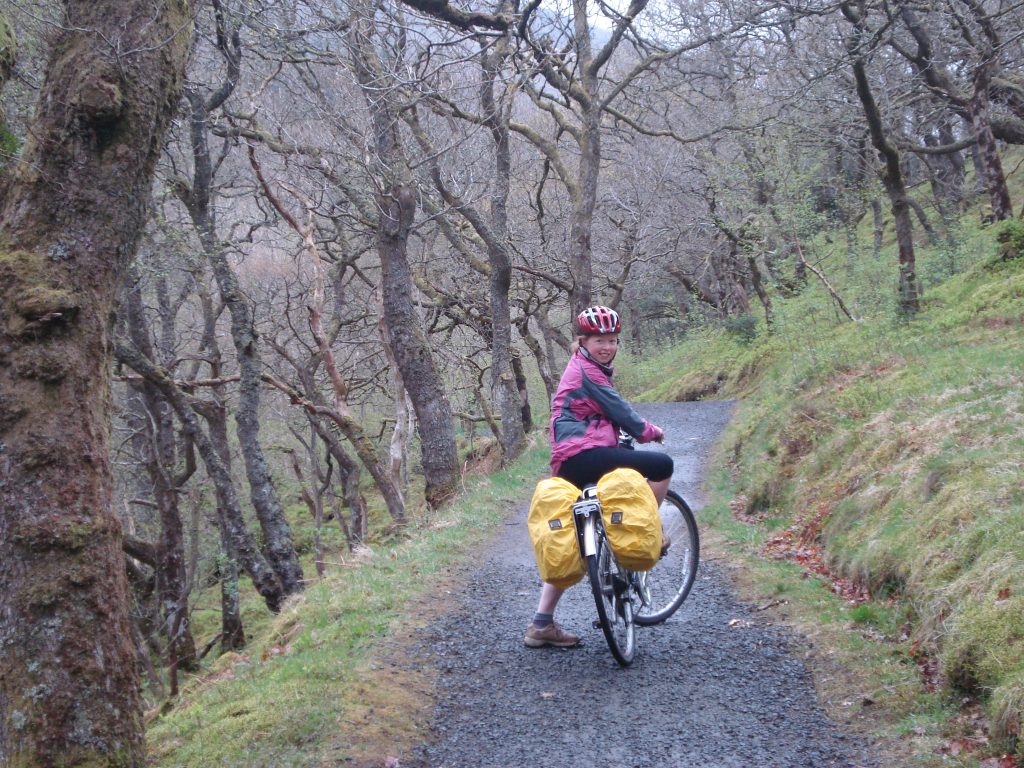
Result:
631,520
553,532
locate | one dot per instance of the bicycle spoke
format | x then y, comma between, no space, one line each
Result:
666,586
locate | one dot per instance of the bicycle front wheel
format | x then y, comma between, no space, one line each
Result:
664,588
613,596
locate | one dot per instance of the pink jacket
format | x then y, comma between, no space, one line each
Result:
586,411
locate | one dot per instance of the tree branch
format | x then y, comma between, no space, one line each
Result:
469,20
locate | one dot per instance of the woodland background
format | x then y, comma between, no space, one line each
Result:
277,275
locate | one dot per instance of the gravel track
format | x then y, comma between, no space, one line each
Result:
715,686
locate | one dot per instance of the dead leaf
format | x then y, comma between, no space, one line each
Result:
1003,761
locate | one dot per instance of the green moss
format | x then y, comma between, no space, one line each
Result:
60,532
9,143
8,48
1010,238
34,303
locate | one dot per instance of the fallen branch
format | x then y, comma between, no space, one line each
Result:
824,281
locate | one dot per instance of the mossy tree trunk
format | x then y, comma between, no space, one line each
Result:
892,174
70,217
503,379
396,202
995,179
8,54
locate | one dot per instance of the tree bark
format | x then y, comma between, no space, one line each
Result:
232,631
525,411
995,179
70,217
405,420
412,352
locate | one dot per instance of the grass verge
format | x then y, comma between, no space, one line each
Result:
308,691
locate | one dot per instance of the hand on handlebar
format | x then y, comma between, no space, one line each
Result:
660,436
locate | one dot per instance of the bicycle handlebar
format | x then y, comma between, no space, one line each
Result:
626,440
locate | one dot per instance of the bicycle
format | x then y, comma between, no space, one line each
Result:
627,598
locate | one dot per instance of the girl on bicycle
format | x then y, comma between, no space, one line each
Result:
586,414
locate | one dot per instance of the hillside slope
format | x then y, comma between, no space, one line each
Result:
886,458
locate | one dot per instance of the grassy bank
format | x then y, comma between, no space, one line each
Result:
306,690
884,459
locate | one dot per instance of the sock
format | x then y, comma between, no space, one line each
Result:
541,620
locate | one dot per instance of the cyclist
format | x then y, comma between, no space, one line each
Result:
586,414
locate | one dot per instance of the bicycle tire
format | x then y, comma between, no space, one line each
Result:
613,595
666,586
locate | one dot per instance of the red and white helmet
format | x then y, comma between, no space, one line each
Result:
598,320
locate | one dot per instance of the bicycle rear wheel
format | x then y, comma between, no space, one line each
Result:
664,588
614,598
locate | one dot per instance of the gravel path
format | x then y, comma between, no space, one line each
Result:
713,687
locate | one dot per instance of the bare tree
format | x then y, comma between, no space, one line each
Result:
892,175
198,197
339,412
396,203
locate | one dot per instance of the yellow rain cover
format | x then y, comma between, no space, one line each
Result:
553,532
630,514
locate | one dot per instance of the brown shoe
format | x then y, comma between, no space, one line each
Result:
666,542
552,634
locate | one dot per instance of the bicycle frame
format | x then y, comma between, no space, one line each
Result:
586,513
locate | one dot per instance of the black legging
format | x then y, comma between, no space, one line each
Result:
588,466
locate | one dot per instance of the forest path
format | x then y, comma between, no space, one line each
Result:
716,686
